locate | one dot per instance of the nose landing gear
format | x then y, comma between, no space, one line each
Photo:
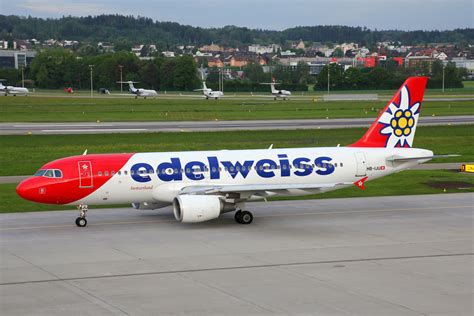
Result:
81,221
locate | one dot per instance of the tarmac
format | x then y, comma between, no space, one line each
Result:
191,126
401,255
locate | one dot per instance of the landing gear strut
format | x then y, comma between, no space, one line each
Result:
81,221
243,217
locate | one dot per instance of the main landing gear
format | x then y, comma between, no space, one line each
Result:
243,217
81,221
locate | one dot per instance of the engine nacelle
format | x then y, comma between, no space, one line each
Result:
199,208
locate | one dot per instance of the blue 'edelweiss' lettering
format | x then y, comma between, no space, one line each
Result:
234,169
265,168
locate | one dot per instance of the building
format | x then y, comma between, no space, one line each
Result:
419,61
215,62
16,58
259,49
462,62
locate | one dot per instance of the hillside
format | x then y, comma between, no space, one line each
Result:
113,28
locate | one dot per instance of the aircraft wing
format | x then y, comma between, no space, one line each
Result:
258,189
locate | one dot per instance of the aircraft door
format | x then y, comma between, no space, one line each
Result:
361,164
85,174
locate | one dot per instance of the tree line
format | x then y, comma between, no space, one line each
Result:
59,68
388,76
119,28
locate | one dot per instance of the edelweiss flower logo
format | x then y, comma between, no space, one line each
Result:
400,121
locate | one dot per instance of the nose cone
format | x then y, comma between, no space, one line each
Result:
34,189
26,190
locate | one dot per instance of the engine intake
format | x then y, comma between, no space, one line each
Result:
199,208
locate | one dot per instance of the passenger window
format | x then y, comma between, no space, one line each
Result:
112,173
125,172
58,174
119,172
100,173
341,164
106,173
335,165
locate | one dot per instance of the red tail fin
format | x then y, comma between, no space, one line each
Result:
396,125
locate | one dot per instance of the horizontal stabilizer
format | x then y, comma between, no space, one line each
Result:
401,158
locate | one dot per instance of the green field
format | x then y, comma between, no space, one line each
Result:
24,154
112,109
403,183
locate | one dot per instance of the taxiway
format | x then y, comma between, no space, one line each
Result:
190,126
402,255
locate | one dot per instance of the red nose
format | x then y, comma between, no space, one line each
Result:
32,189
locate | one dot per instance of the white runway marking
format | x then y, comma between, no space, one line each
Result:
98,130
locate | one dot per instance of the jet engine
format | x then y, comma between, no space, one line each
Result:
199,208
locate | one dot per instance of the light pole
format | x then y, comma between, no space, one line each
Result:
329,76
92,83
23,77
443,78
121,80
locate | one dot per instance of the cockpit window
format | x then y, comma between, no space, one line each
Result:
40,172
49,173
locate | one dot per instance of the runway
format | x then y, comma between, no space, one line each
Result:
409,255
190,126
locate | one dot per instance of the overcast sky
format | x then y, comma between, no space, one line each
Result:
275,14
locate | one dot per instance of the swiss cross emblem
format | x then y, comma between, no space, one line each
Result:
360,183
84,166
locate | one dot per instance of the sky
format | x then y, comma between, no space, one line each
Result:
274,14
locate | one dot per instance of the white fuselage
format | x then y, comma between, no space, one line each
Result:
209,94
144,92
280,93
13,90
178,170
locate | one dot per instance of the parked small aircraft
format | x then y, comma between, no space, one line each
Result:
140,92
283,94
6,90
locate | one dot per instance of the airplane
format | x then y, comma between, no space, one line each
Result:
209,93
283,94
202,185
6,90
139,92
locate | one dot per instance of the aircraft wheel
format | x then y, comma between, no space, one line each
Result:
238,217
246,218
81,222
215,98
275,99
